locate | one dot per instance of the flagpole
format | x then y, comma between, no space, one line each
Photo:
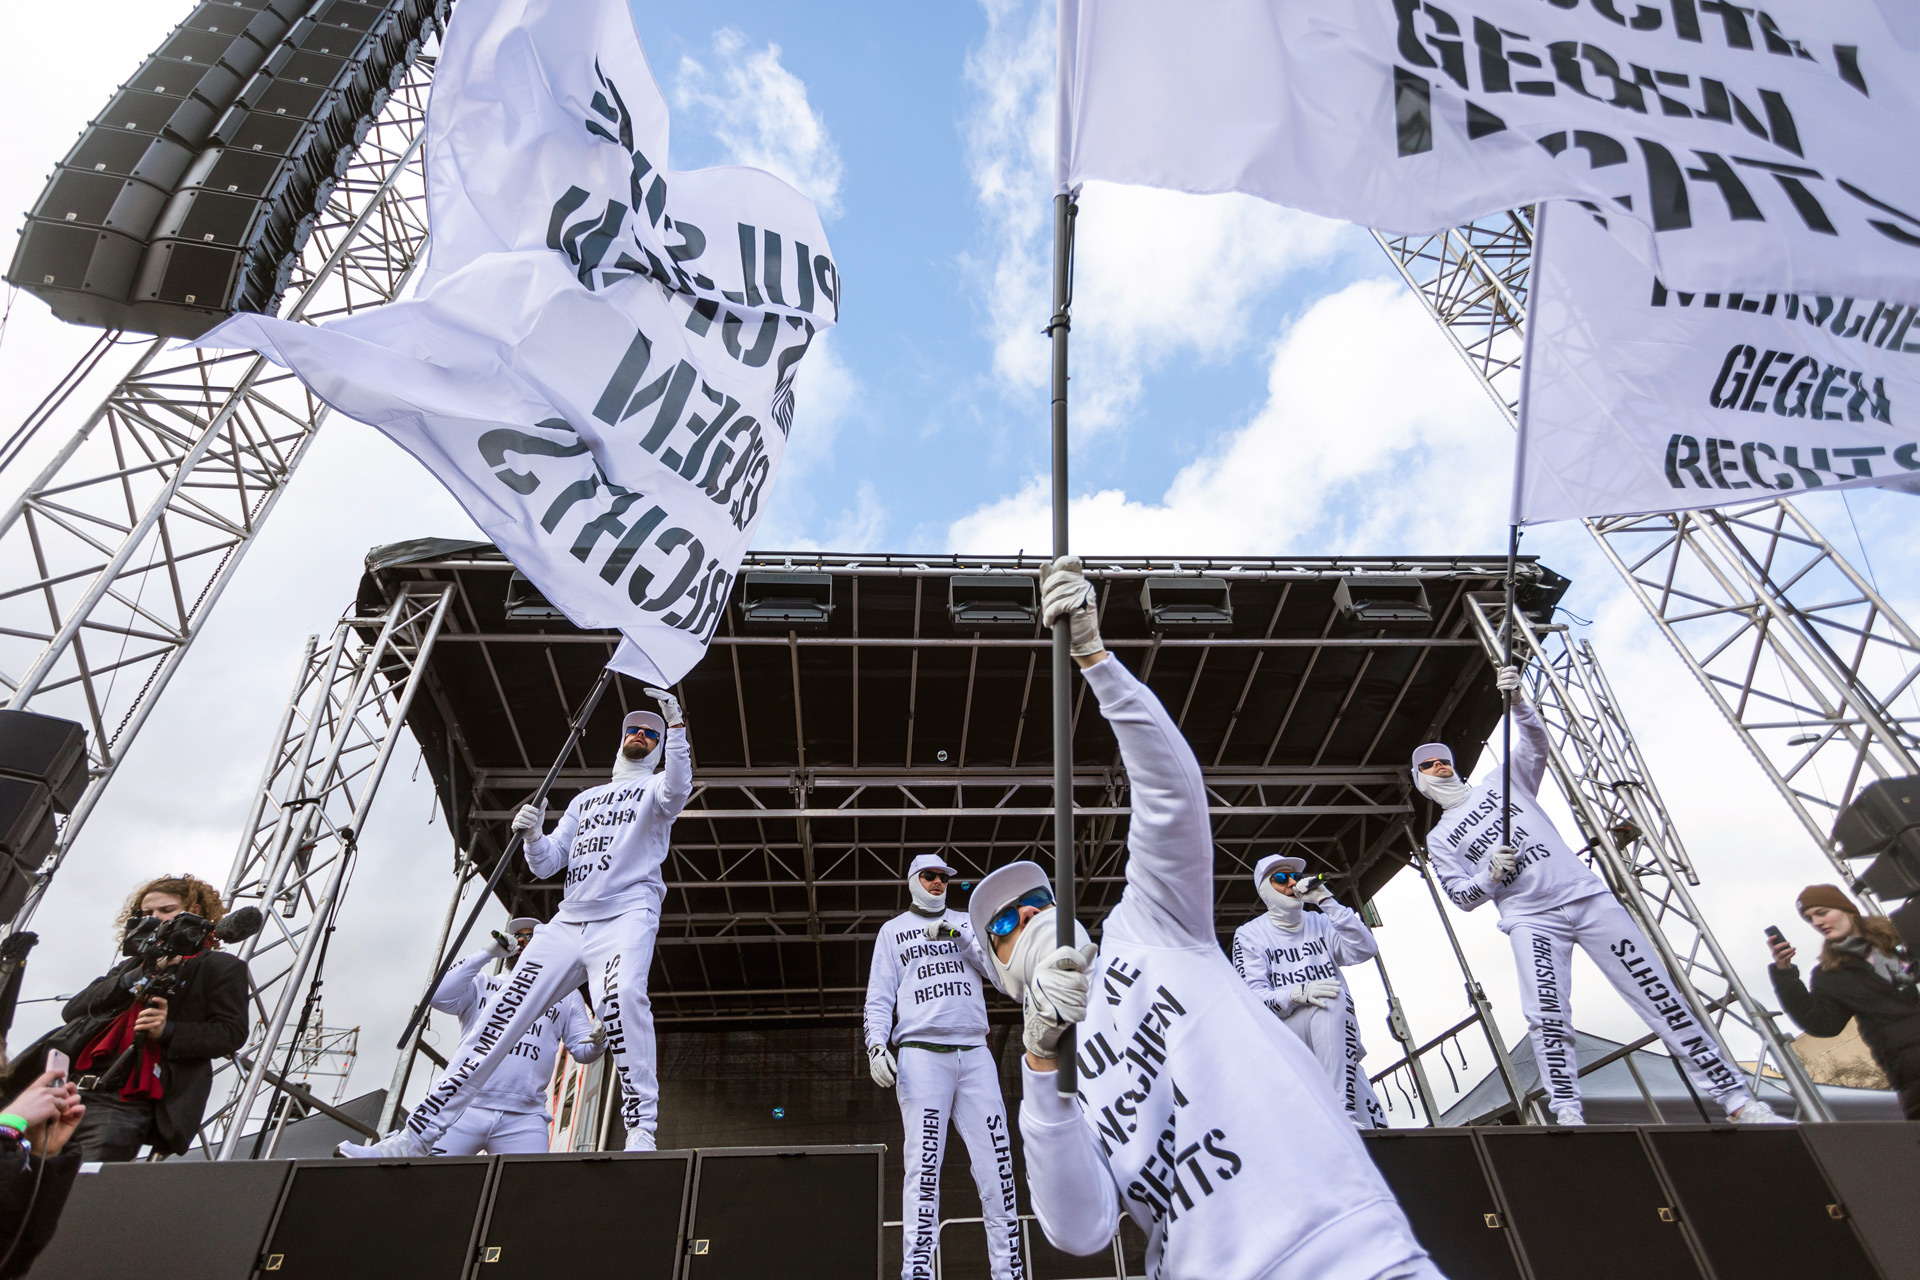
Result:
1064,892
1506,724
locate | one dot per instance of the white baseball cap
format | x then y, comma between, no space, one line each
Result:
1004,885
650,719
1276,862
1431,751
929,862
518,923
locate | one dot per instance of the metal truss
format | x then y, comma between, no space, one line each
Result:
1800,652
335,738
114,555
1632,840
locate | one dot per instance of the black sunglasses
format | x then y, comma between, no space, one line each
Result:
1434,763
938,876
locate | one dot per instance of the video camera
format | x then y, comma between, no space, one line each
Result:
150,938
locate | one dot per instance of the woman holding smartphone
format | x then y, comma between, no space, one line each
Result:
1863,974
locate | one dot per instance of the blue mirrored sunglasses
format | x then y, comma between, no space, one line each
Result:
646,729
1282,877
1008,917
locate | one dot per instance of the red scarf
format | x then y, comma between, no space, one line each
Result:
143,1081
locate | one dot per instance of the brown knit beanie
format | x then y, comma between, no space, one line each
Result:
1825,895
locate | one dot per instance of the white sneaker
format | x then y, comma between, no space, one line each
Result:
1569,1117
639,1140
402,1143
1757,1112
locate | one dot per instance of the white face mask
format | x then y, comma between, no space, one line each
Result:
1034,944
931,904
1284,910
1448,793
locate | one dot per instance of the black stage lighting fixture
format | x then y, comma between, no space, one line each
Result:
800,602
1186,606
1383,601
992,603
192,194
526,603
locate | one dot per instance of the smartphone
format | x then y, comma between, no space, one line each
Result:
57,1063
1773,932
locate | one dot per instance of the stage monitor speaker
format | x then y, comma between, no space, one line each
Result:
381,1219
1757,1203
622,1213
171,1221
800,1213
47,750
1587,1204
1874,1166
1438,1179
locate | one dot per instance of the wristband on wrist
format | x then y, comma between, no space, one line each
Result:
14,1122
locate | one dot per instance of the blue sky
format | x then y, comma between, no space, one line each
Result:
1248,380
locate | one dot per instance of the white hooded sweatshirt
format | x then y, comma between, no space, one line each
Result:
1549,874
933,992
1199,1113
612,839
520,1083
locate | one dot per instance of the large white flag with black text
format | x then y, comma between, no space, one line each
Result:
1733,146
599,359
1639,397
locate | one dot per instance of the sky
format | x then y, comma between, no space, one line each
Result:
1247,380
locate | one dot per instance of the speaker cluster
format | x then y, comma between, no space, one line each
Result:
192,194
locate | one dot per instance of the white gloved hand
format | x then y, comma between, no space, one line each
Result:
669,706
598,1037
501,946
1319,993
1507,679
1503,863
1313,889
1065,592
881,1064
940,931
530,820
1057,997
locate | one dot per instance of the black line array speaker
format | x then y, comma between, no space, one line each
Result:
27,834
1587,1204
380,1219
562,1217
1758,1205
1883,823
800,1213
1874,1167
191,195
47,750
1437,1176
171,1221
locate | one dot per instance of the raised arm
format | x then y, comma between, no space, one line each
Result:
547,855
1529,749
1469,888
1169,837
1352,941
456,993
675,787
1068,1176
883,988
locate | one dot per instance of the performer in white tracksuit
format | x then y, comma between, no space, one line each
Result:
1198,1111
1291,958
510,1115
1550,902
925,996
611,841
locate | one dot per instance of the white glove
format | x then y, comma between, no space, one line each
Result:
1314,889
1507,679
1502,863
1319,993
880,1062
669,706
940,931
501,946
529,821
598,1038
1057,997
1065,592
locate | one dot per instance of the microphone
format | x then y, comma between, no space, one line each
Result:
238,926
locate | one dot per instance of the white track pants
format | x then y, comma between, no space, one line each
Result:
498,1133
612,957
1333,1034
964,1085
1543,948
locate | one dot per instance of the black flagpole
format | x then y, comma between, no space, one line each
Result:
1064,895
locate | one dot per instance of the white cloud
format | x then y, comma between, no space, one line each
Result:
1159,276
758,110
1373,437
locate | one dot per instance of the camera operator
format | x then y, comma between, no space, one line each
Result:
37,1168
163,1014
1863,975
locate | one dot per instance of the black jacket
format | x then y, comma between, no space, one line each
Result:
1889,1016
17,1175
206,1019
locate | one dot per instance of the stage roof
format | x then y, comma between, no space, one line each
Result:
824,762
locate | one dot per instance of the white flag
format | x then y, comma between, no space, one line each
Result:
599,360
1638,397
1741,148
